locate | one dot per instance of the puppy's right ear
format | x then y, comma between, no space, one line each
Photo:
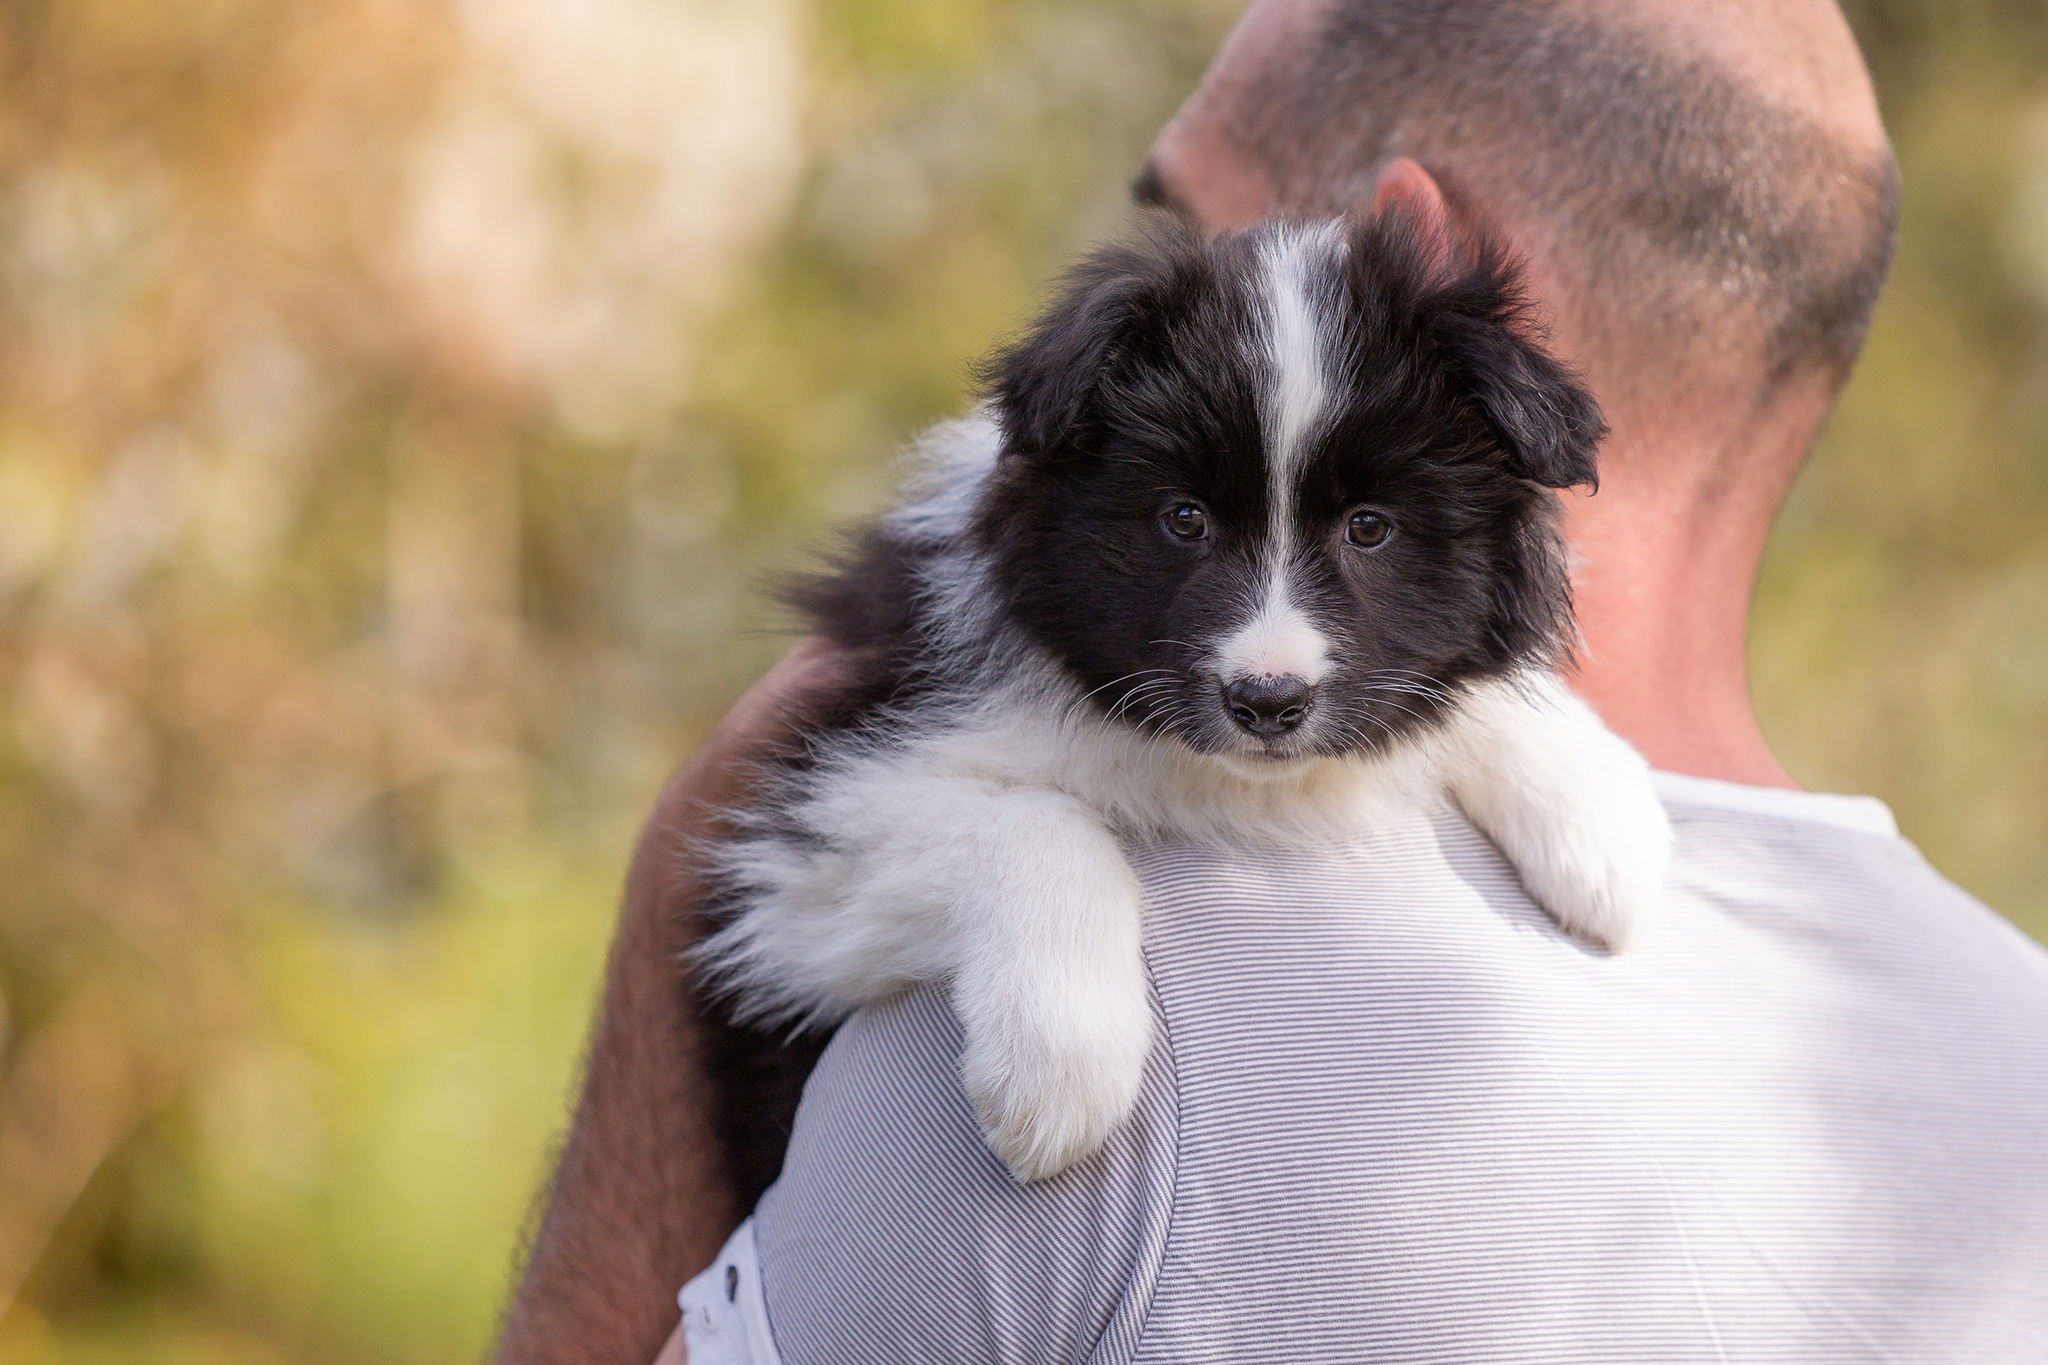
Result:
1047,384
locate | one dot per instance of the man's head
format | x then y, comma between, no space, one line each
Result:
1705,201
1700,185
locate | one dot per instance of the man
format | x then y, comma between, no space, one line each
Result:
1391,1117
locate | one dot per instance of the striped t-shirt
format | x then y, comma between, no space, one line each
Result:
1392,1114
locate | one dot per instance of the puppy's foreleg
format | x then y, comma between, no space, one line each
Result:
1049,982
1568,801
1018,898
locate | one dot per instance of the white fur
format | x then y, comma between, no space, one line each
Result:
1296,345
1567,800
943,472
1278,642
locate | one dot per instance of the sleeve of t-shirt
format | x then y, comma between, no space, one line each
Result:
894,1235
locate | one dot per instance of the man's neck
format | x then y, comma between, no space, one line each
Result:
1664,560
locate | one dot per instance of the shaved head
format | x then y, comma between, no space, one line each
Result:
1679,189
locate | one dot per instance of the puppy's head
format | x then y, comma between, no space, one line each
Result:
1279,494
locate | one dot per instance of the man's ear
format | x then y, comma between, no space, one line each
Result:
1044,384
1406,193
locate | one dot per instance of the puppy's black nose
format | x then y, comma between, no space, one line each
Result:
1267,706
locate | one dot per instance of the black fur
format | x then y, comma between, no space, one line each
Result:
758,1075
1139,389
866,608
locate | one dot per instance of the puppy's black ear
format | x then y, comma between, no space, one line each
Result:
1467,295
1546,422
1046,384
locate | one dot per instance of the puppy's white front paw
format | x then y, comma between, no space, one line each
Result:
1568,801
1603,876
1050,1084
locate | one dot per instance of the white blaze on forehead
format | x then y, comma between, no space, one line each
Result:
1295,398
1296,393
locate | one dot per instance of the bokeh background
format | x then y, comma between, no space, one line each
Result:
400,402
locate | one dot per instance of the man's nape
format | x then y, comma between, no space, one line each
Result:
1716,368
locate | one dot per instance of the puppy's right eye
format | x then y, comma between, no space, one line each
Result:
1368,530
1187,521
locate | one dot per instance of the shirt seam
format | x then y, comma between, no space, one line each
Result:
1795,825
1770,803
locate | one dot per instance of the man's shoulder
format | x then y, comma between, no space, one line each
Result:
1385,1086
1835,869
889,1195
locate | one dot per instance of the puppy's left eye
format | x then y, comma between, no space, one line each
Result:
1368,530
1187,521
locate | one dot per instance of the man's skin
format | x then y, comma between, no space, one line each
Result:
639,1201
1664,560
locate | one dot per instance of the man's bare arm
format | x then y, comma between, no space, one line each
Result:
640,1199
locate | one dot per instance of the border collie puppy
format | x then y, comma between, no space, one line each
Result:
1253,542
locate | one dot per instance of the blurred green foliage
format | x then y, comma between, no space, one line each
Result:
399,405
1900,636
